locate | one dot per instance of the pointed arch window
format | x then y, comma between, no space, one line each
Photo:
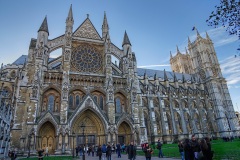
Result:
51,99
101,102
70,101
77,100
95,98
118,105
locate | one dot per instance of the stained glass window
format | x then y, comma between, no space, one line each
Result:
118,105
101,102
86,58
50,103
77,100
70,101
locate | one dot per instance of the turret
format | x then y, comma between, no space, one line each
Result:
69,20
126,44
105,28
43,34
178,52
165,78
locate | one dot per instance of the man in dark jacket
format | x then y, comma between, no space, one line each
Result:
195,148
159,147
148,152
109,152
131,151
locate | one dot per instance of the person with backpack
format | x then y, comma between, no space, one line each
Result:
148,152
159,147
104,150
109,152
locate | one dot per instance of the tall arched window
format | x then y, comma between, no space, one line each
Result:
50,103
101,102
95,98
118,105
77,100
70,101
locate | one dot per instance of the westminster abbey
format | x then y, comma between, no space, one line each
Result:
84,97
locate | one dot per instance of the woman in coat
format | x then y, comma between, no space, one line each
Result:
148,152
99,152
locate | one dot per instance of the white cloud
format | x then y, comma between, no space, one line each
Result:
231,69
219,37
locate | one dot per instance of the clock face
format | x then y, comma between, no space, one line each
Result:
86,58
202,73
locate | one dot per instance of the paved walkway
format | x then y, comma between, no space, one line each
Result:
124,157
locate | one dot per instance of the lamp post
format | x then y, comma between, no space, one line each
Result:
29,141
84,147
73,135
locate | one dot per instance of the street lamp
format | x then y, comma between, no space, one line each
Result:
73,135
84,147
29,141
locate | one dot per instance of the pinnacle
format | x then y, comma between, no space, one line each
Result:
44,26
126,39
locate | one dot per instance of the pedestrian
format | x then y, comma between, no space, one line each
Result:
109,152
187,149
131,151
119,150
148,152
76,150
99,152
181,149
104,150
159,147
40,154
194,148
93,149
123,147
80,151
209,150
46,151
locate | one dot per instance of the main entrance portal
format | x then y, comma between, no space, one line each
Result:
124,133
93,132
47,137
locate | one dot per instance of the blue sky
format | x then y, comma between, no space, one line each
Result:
154,27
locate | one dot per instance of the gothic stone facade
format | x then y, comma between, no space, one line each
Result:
117,102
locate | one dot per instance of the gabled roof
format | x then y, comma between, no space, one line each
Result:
160,74
21,60
87,30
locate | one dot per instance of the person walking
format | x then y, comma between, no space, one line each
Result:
109,152
131,151
40,154
99,152
104,150
76,150
181,149
194,148
187,149
46,151
148,152
159,147
118,149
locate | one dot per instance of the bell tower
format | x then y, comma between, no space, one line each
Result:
206,65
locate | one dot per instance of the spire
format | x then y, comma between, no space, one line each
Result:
44,26
207,36
165,76
105,27
178,50
170,54
70,14
126,39
186,50
155,76
174,77
198,35
189,42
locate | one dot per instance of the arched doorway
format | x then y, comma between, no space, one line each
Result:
124,133
94,131
47,137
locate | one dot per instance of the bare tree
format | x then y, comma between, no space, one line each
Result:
227,14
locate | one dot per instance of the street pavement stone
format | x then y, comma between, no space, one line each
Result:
124,157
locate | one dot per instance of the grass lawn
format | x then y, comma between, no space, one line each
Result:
222,150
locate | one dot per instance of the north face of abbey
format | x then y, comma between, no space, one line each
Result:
51,99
